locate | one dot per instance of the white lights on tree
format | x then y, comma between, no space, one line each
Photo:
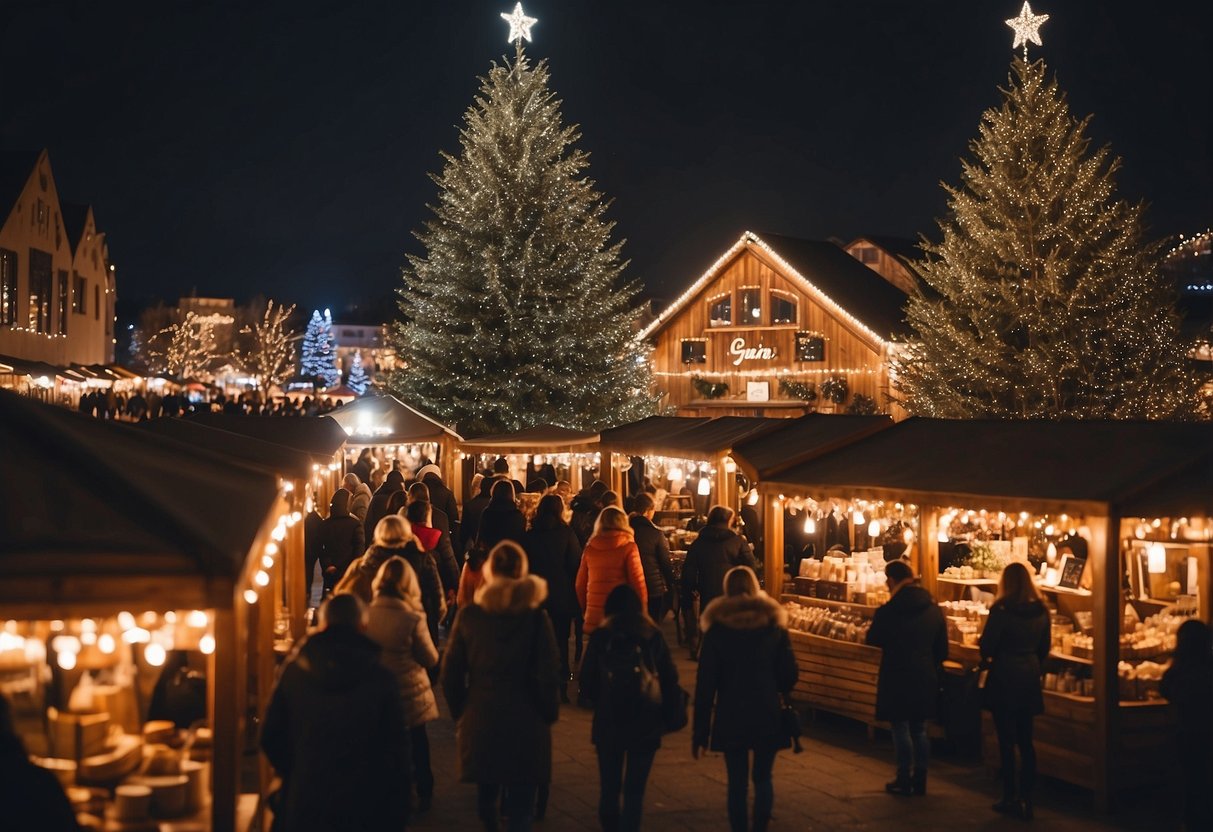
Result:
520,24
705,486
1027,28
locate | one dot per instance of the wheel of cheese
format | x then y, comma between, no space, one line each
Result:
160,761
132,802
159,731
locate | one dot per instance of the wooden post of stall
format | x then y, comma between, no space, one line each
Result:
295,575
224,688
927,565
772,530
725,496
1108,607
614,477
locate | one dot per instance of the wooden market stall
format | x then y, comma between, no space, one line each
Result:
1113,516
568,451
684,454
98,525
398,433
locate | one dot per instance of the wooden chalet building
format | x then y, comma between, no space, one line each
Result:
772,319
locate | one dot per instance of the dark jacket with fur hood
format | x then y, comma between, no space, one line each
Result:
500,677
745,665
913,638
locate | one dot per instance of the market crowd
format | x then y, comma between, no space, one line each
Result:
138,406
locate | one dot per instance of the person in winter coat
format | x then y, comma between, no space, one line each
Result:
610,558
362,468
472,577
555,555
501,519
378,508
397,623
585,506
473,510
441,497
1015,642
654,556
746,668
499,677
341,539
360,500
716,550
32,797
627,727
435,541
391,536
335,733
422,557
913,637
313,547
1188,686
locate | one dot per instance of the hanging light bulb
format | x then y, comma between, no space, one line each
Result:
106,643
752,499
154,654
705,486
874,529
730,465
810,524
206,644
675,474
942,535
66,660
858,519
65,644
267,561
126,620
250,596
1051,554
1157,559
196,618
261,578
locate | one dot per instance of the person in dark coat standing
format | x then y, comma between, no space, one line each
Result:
716,550
434,538
654,556
313,547
334,731
746,668
392,534
378,509
341,539
441,497
499,677
32,797
501,519
913,637
1014,643
473,509
421,554
555,555
362,468
626,732
1188,686
585,506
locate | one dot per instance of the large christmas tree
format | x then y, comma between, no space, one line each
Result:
1043,299
517,314
318,351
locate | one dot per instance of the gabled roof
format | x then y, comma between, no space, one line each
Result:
319,436
279,460
1094,462
75,218
84,501
379,420
825,272
15,169
902,248
797,440
538,438
648,435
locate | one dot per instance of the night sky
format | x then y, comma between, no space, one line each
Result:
242,146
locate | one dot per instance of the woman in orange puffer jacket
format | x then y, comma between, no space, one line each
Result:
610,558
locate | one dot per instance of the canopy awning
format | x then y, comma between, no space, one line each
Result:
94,513
648,436
243,450
797,440
541,438
385,420
1100,464
318,436
22,367
688,438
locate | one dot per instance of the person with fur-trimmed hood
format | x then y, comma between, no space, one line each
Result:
746,667
500,677
360,500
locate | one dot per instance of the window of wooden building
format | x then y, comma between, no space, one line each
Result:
78,293
720,310
61,302
751,306
694,351
40,276
8,287
783,307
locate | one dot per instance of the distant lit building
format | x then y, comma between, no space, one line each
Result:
371,340
57,289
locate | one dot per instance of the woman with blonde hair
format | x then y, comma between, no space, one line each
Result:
610,558
397,623
500,678
746,668
1015,642
392,534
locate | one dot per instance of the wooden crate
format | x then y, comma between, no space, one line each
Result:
836,676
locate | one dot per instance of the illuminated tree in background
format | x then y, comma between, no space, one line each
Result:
517,314
318,353
186,348
268,352
357,380
1043,300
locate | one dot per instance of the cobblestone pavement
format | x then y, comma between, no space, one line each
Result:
837,783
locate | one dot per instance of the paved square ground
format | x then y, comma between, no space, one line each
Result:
837,783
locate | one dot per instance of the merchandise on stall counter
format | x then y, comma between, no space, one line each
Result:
835,624
856,578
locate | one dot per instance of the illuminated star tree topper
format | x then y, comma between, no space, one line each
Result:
520,24
1026,27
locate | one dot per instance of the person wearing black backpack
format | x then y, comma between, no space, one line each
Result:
630,678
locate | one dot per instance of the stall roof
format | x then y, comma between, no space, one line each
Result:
540,437
381,420
83,500
1102,462
647,435
21,366
319,436
797,440
246,450
1187,493
717,436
